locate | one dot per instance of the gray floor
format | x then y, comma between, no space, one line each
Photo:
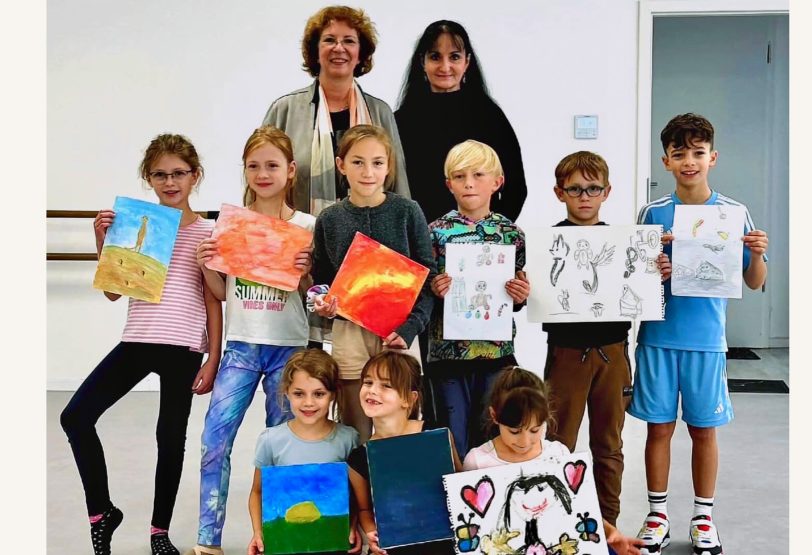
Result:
752,498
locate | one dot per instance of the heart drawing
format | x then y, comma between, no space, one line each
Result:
479,498
574,472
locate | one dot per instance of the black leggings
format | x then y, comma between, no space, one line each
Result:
120,371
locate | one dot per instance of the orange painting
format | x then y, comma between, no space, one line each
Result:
258,247
376,287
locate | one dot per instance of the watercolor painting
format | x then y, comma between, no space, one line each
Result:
257,247
409,501
477,305
547,507
707,251
376,287
595,273
137,249
305,508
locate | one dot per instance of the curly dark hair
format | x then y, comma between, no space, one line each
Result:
686,129
355,18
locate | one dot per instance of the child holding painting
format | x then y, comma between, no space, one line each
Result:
310,383
390,395
365,158
587,363
260,337
520,411
460,372
168,338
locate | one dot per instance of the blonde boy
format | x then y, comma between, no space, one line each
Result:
460,372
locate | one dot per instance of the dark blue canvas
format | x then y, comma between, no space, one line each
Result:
406,477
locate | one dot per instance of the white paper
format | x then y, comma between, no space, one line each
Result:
477,306
706,257
594,273
563,505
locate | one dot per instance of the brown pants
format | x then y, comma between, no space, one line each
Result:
595,379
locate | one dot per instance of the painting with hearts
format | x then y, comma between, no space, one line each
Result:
547,507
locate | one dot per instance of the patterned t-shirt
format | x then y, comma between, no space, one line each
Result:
456,228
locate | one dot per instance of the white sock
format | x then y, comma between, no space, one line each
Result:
657,502
703,505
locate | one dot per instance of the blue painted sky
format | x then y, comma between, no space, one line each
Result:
325,485
162,227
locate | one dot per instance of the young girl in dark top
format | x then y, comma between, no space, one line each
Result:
390,396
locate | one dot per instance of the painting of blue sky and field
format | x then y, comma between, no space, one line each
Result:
137,249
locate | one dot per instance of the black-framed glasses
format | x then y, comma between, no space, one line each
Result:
161,177
575,191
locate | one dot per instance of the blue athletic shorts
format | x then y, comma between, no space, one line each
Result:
700,377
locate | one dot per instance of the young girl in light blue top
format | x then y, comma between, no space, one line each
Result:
311,385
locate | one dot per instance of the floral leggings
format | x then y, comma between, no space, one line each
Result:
242,368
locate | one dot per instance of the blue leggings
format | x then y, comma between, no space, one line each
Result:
242,368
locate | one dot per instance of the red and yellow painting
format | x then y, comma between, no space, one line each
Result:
376,287
258,247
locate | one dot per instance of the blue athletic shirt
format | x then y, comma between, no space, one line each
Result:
691,323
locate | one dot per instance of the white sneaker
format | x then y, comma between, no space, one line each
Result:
704,536
655,533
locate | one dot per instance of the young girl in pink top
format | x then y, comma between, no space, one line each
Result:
168,338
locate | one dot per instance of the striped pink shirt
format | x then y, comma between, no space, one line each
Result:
180,317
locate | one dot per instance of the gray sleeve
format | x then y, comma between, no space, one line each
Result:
274,116
401,184
421,252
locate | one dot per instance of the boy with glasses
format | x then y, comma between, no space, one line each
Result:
587,362
684,355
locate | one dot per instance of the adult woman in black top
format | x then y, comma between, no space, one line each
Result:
443,102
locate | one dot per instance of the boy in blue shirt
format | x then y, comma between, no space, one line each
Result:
685,353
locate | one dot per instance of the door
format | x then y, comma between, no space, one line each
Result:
734,71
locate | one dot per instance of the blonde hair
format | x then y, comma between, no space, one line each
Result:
403,371
591,165
318,365
472,155
355,135
268,135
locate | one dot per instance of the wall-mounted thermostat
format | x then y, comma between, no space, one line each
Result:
586,127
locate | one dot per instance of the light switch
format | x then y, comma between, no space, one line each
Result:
586,127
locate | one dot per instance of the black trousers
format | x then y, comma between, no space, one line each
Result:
120,371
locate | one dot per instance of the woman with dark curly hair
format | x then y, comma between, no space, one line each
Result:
444,101
337,47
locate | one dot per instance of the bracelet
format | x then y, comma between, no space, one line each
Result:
312,293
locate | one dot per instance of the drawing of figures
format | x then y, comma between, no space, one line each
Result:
501,258
564,300
604,257
458,295
582,254
559,250
142,233
461,264
630,303
681,272
631,256
709,272
486,257
715,249
480,298
597,309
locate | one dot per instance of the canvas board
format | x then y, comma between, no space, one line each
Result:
257,247
539,507
706,254
408,499
137,249
477,306
305,508
594,273
376,287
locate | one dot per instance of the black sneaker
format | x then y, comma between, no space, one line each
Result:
161,545
101,531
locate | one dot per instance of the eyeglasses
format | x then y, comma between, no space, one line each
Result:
161,177
347,42
575,191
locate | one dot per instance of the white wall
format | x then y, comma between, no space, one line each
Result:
121,72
